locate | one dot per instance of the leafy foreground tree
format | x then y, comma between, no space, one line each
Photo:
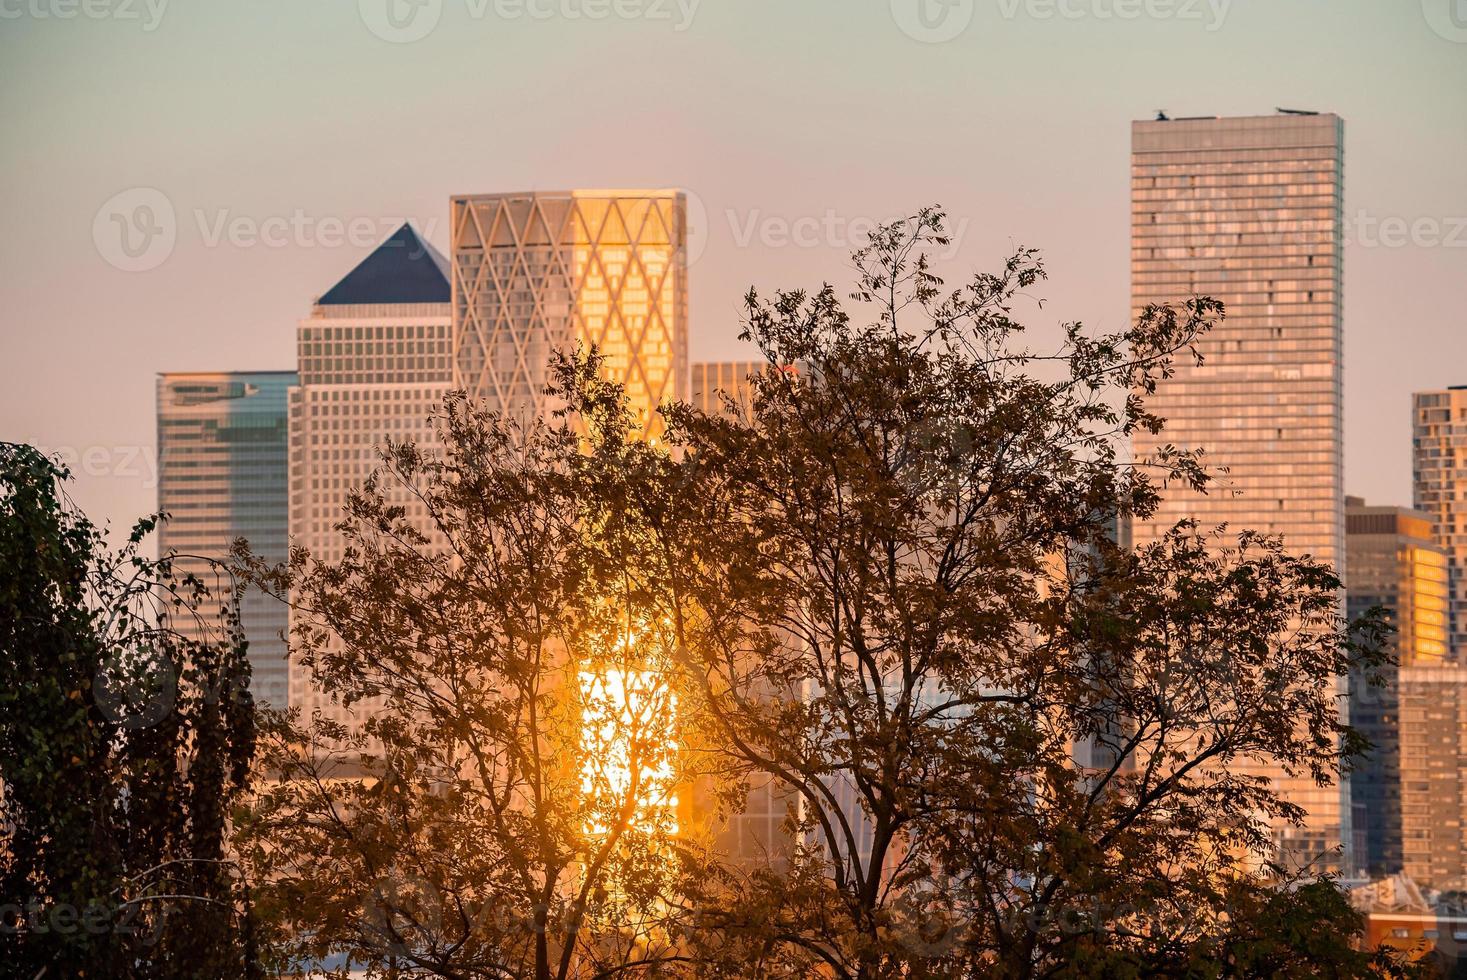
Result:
126,731
506,806
889,582
1014,743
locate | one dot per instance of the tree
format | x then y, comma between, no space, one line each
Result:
126,731
1013,741
505,807
893,582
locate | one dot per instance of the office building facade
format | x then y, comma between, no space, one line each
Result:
1439,479
542,272
1249,212
222,476
711,380
375,358
1407,792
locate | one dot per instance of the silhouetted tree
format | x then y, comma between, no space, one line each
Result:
891,580
1013,741
126,731
474,824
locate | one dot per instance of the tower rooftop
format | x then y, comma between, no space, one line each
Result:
403,269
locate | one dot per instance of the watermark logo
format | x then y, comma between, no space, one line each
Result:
147,12
932,21
135,230
1368,230
1447,18
404,21
922,927
137,463
696,236
1202,228
1210,13
299,229
401,21
403,912
135,692
756,228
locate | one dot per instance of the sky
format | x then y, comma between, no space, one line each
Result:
272,143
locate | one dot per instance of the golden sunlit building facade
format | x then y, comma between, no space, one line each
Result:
1408,792
540,272
1249,211
712,380
1439,478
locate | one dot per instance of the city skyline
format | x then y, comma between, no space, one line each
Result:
779,194
589,488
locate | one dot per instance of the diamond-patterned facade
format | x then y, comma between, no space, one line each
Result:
539,272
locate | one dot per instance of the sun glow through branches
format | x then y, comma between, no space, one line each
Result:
627,751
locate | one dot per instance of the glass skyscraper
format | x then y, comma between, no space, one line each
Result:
1249,211
544,271
222,476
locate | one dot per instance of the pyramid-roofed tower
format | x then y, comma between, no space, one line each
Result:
403,269
375,362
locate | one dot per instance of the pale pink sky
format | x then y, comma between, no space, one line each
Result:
285,137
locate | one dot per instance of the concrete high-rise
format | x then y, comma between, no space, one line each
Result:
1408,791
375,359
222,476
1439,478
1249,212
539,272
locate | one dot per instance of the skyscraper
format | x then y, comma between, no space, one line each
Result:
375,361
1249,211
544,271
1439,477
222,476
713,379
1408,791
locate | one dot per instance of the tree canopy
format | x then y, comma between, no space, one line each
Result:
126,733
886,587
890,582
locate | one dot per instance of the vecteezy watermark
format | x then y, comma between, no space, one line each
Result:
136,230
122,462
40,917
1448,18
1202,230
405,21
135,692
147,12
1209,13
830,229
932,21
935,21
298,229
1369,230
